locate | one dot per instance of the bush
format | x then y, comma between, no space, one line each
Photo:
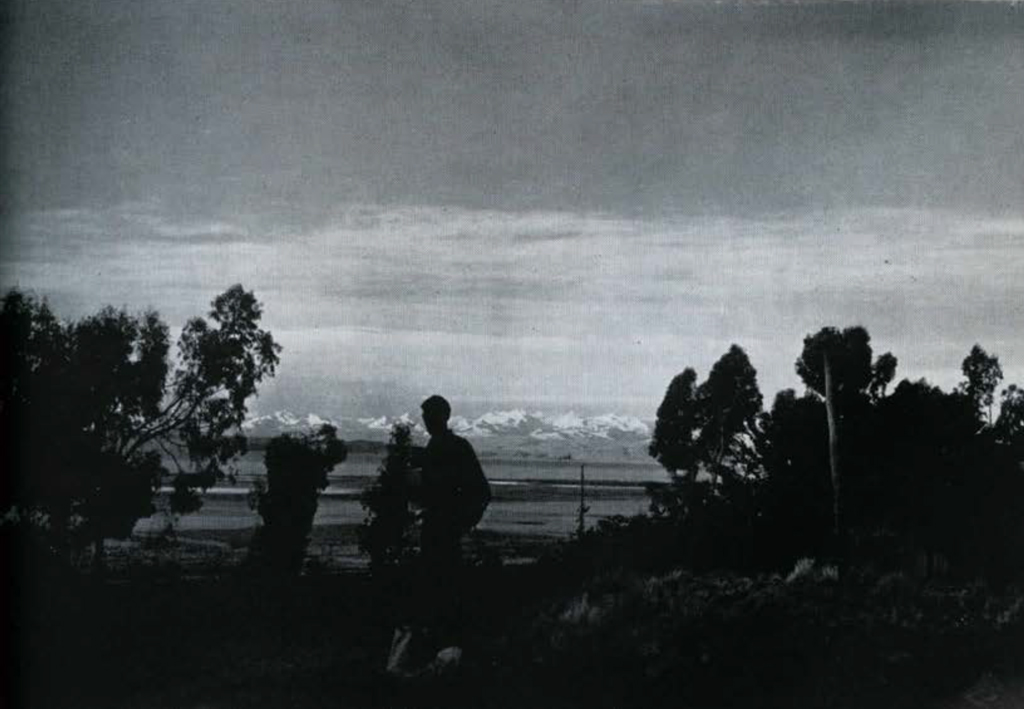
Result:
388,534
297,468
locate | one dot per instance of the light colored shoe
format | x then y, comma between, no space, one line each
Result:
400,656
447,661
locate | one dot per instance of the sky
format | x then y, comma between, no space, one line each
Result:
540,204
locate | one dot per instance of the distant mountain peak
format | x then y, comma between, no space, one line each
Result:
505,429
285,421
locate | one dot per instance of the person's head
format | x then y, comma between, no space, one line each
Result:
436,412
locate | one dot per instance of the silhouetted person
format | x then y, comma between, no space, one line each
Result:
454,493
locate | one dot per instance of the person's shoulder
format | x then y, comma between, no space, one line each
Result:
448,440
460,443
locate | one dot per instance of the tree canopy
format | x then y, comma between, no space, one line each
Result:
708,428
983,374
849,357
674,443
730,402
923,479
93,410
1010,424
882,373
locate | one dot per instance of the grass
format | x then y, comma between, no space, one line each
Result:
724,641
540,634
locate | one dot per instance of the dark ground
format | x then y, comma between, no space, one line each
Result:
541,636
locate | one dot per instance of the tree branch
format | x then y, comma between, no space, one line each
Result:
165,449
173,422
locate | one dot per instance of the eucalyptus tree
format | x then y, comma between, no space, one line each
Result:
983,374
710,428
93,412
837,366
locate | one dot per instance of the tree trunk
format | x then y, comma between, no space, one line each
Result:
833,459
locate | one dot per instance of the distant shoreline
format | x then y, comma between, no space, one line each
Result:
550,485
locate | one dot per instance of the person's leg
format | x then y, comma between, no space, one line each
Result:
442,572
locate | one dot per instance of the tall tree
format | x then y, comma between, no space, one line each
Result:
1010,424
94,407
883,371
674,443
730,402
937,476
837,366
796,499
709,428
983,375
35,366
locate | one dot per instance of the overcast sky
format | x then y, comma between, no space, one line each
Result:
548,204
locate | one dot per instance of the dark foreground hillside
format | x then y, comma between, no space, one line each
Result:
540,639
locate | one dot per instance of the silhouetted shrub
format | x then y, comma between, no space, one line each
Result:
297,468
388,532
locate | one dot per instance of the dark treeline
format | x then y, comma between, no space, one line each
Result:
853,470
889,483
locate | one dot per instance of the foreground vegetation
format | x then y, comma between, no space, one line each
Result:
547,635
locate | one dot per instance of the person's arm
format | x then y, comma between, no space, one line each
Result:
481,478
475,488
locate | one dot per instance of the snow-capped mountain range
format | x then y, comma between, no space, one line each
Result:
495,430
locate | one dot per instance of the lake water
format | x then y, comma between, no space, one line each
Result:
530,496
363,465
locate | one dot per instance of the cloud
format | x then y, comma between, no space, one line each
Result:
498,304
608,191
707,108
220,232
141,221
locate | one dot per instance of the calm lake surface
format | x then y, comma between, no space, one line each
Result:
531,496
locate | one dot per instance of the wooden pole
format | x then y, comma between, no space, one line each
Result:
581,524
